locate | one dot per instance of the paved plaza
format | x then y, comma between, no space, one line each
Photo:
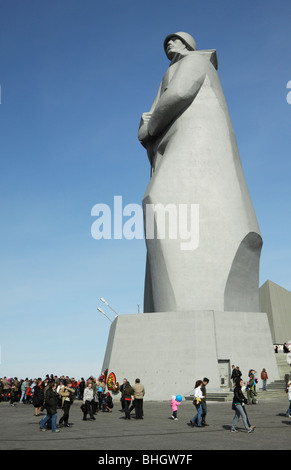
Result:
19,429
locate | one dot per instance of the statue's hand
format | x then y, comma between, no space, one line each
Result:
145,118
143,133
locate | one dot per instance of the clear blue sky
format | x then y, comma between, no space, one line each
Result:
75,77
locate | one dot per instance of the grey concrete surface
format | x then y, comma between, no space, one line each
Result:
177,346
19,429
276,302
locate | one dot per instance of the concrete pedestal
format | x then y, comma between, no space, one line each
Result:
169,351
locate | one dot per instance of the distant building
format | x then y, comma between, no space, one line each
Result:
276,302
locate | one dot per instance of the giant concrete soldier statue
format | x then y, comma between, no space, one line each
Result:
194,160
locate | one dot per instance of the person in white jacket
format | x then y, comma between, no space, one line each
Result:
88,402
197,402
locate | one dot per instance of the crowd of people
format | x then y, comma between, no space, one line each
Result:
23,390
53,393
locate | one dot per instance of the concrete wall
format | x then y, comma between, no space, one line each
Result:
276,301
169,351
245,339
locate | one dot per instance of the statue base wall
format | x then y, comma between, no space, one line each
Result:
169,351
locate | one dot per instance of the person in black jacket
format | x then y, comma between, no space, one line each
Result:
38,397
127,393
121,391
108,405
81,388
236,374
237,404
51,405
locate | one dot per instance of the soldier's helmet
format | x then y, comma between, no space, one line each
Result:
187,39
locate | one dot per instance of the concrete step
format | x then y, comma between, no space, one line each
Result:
275,389
276,385
271,394
215,396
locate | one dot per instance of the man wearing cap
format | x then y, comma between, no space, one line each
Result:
212,262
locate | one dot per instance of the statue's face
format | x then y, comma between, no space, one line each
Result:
174,46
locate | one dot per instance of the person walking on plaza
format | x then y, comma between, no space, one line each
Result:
175,402
24,388
197,402
288,390
128,392
121,391
237,404
51,405
88,398
1,390
81,388
38,397
251,390
45,386
205,382
264,378
6,389
139,392
67,394
14,391
100,390
244,388
95,401
236,373
233,373
254,373
247,418
28,394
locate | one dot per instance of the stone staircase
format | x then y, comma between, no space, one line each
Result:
275,389
283,366
221,396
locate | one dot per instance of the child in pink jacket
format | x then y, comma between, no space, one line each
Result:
175,402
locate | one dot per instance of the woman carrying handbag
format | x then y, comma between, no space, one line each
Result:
197,402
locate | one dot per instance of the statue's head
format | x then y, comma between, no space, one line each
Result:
177,42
